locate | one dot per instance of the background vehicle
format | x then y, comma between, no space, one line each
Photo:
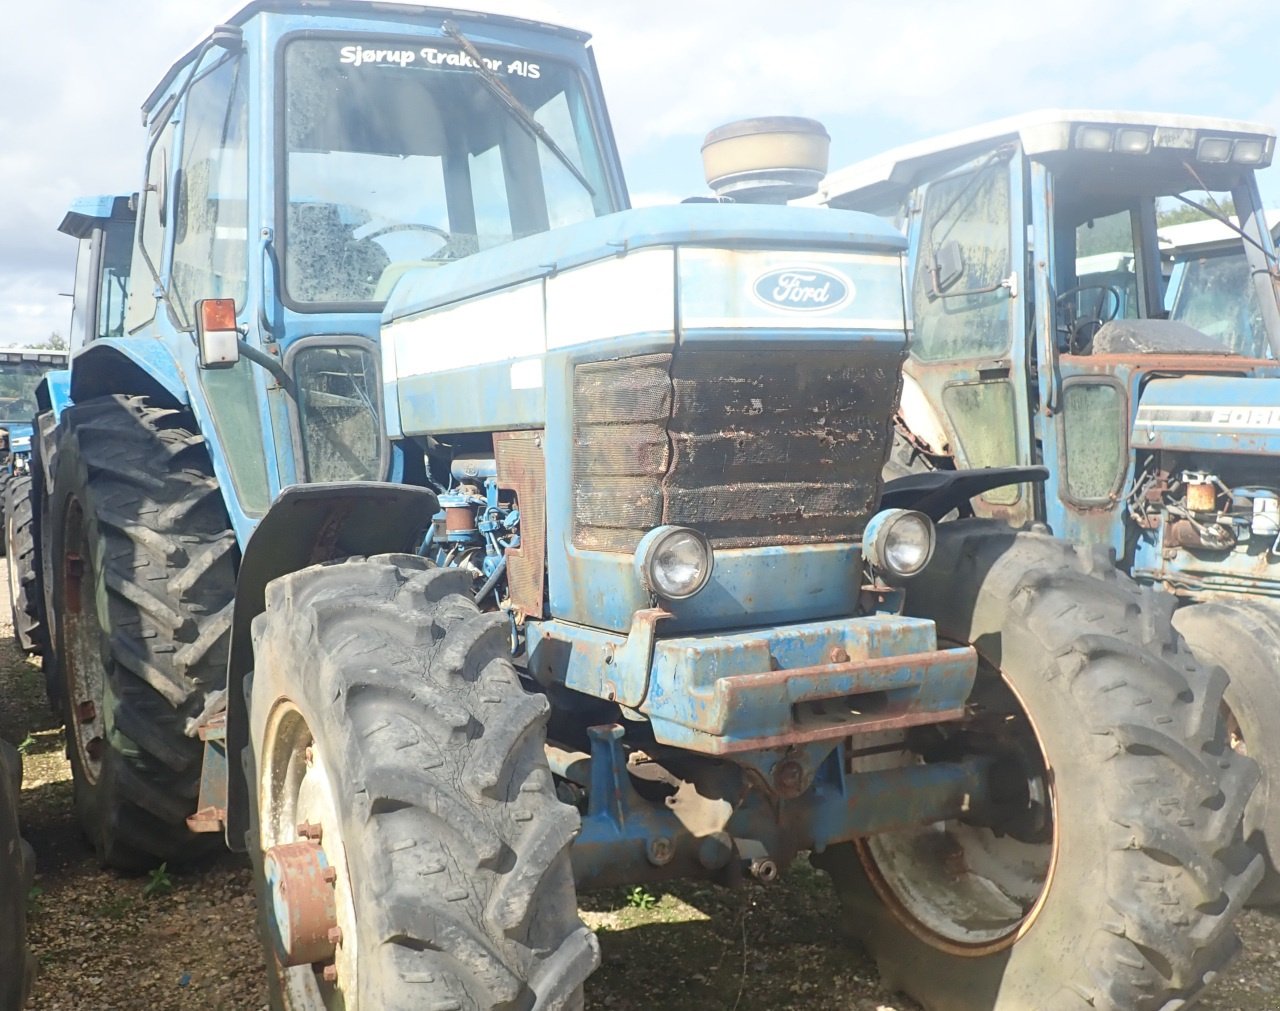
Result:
21,371
507,539
104,226
1208,270
1162,437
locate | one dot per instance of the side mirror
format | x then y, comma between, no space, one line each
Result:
217,338
948,266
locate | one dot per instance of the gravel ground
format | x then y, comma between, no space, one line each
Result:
186,940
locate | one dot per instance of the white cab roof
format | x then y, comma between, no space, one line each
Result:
1039,132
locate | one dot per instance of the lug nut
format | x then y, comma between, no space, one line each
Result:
86,712
764,870
335,936
330,973
329,874
660,850
310,830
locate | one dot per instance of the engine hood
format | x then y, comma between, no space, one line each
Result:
1215,414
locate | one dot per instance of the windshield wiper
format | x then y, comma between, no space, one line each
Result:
505,95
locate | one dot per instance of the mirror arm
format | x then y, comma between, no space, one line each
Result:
271,364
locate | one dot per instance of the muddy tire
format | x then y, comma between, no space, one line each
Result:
1243,638
385,714
143,566
1113,883
25,594
5,481
17,966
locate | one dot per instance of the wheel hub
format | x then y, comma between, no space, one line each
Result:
303,904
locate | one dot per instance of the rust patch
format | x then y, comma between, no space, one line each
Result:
522,469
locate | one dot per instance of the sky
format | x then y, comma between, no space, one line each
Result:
877,73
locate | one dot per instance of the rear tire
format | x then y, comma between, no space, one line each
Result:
143,566
1135,855
1243,637
17,867
389,728
26,597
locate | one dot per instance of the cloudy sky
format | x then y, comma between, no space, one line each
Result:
878,72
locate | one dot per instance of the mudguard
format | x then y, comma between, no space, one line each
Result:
936,492
54,392
307,524
128,366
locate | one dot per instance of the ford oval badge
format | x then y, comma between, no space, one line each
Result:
803,289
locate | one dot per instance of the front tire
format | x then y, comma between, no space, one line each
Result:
1114,884
143,565
1243,637
393,742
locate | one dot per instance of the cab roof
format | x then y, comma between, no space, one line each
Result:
887,177
1194,237
533,13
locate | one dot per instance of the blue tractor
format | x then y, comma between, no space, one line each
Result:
1155,411
104,228
21,371
448,535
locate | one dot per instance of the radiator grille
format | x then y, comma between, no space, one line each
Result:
751,447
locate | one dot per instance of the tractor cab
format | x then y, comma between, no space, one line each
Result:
1039,291
299,161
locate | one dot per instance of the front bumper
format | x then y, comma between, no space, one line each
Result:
765,688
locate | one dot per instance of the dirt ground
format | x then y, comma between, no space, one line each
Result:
186,940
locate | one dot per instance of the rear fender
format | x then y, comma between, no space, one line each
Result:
306,525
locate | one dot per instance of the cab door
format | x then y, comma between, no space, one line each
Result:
968,343
1083,429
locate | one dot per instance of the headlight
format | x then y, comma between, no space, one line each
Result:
674,562
898,543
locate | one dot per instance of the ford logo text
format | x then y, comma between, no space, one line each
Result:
804,289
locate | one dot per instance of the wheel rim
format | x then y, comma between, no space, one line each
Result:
82,659
297,805
1235,735
964,888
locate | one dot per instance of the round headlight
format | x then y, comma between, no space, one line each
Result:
674,562
898,543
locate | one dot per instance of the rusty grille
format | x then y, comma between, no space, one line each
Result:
751,447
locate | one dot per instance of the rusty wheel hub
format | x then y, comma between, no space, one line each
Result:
303,905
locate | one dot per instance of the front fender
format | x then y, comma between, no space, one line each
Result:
144,367
306,525
54,392
936,492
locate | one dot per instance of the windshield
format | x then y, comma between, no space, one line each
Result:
399,154
18,382
1110,230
